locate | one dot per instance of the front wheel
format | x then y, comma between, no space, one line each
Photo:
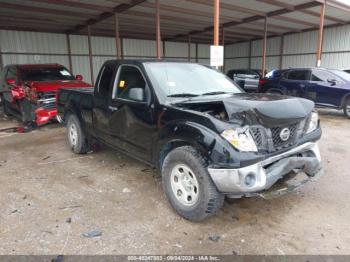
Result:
347,108
188,186
75,136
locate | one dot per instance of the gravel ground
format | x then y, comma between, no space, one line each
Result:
50,197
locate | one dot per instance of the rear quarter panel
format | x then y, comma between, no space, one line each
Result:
78,102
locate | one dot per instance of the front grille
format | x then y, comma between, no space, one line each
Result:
276,139
256,134
48,100
268,139
51,105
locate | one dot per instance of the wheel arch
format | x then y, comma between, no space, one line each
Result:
344,99
183,134
72,108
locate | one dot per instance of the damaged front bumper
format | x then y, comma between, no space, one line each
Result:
260,178
44,116
45,110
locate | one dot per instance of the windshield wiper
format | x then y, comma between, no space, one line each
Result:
182,95
214,93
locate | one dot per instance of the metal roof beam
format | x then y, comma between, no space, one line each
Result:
309,12
118,9
81,5
327,17
256,17
293,20
28,8
187,11
230,7
166,17
337,5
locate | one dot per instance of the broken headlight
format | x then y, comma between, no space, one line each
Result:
313,122
241,139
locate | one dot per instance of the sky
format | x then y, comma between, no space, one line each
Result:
347,2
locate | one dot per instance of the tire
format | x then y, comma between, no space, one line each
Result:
198,199
76,138
346,108
26,112
5,106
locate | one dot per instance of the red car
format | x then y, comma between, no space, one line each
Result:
29,91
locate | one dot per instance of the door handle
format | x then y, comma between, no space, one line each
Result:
112,108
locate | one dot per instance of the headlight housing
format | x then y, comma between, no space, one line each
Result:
313,122
240,138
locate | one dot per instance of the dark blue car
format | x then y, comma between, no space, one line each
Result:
326,87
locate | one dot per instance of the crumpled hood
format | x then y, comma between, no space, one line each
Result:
266,109
53,86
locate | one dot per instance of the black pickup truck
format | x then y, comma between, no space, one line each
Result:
207,137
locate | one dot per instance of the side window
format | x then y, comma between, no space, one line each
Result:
131,84
298,75
104,84
323,76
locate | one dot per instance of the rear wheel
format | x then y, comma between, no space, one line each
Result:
5,106
188,186
75,136
347,108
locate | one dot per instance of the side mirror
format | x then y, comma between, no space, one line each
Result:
79,77
11,81
137,94
333,82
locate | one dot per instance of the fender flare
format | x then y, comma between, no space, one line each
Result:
345,98
72,108
179,134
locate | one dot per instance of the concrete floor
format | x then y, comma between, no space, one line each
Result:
49,197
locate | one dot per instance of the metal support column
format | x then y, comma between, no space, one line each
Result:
158,29
117,37
196,52
216,21
69,53
263,63
90,56
320,35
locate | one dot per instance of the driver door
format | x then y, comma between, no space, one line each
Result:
132,120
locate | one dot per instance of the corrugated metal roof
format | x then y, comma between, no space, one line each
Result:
178,17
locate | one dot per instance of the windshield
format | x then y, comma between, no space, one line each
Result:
189,80
342,74
46,74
